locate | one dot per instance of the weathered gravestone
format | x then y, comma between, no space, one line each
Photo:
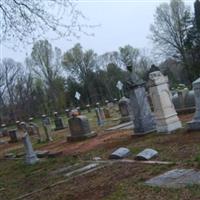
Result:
165,114
58,122
31,157
88,108
106,113
4,130
13,136
47,127
33,128
195,123
79,128
100,116
142,117
124,108
120,153
146,154
67,111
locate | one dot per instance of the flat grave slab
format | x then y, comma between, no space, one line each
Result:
176,178
120,126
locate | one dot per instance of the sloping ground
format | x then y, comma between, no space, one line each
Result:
116,182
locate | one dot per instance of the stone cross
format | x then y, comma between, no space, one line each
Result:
143,119
165,113
195,123
79,128
31,157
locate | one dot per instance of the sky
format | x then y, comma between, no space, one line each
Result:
120,22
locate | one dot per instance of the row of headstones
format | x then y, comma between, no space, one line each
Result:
165,119
33,129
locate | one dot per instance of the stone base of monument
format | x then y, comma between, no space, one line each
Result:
193,126
81,137
125,119
168,128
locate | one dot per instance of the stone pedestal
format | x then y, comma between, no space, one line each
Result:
31,157
13,136
143,119
79,128
165,114
124,108
100,116
195,123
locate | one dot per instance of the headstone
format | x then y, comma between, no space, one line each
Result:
4,130
146,154
47,127
124,108
165,114
143,119
79,128
58,122
31,157
79,110
120,153
106,113
88,108
34,128
67,111
195,123
13,136
100,116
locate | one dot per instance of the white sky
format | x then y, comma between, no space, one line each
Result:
121,22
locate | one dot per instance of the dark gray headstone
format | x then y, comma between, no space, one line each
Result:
13,136
124,108
79,128
58,123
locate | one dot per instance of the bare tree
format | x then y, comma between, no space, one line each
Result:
170,28
26,20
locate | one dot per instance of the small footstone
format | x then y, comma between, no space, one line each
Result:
146,154
120,153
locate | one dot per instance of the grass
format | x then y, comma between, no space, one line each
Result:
116,182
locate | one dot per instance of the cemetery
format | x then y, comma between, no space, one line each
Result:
82,119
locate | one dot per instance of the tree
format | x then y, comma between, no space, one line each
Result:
170,28
81,64
26,20
46,64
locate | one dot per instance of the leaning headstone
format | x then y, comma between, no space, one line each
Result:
143,119
120,153
165,113
195,123
47,127
58,122
146,154
100,116
79,128
13,136
124,108
31,157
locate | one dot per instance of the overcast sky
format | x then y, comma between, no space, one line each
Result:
121,22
